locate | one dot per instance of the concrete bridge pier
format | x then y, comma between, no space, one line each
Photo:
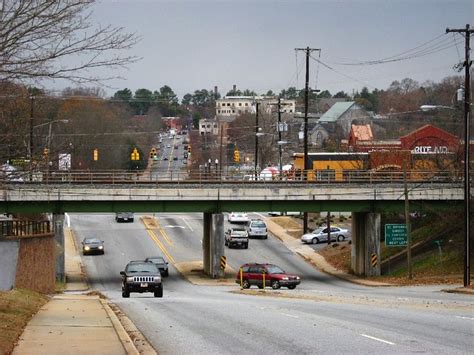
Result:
365,254
58,229
213,244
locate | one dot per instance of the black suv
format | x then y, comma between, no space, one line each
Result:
141,276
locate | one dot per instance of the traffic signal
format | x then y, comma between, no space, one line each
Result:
236,156
135,155
153,153
96,154
189,149
45,153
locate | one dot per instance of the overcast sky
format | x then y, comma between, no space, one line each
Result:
192,45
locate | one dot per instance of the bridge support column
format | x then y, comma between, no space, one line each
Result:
217,245
58,223
365,254
206,242
213,244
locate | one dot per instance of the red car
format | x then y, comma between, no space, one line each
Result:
275,277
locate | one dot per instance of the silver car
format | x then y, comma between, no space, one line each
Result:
321,235
257,228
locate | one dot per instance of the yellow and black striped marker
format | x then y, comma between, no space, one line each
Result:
373,260
223,262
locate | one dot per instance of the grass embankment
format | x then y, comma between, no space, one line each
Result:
17,307
437,252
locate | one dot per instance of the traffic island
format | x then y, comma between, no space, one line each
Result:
193,271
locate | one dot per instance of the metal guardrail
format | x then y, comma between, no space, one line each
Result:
228,176
21,228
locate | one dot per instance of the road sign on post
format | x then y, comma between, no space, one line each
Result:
395,235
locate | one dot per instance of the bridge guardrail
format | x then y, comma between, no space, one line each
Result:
235,177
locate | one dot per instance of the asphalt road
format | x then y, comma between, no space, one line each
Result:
328,315
170,162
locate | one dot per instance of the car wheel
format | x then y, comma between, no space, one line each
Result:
260,286
315,241
340,238
159,292
125,293
265,237
246,246
291,287
245,284
166,273
275,285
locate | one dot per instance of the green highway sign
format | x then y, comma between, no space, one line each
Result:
396,235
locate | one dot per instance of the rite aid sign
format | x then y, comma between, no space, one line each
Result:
430,149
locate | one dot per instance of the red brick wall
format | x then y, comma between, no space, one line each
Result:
36,267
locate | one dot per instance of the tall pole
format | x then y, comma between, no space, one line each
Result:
467,140
256,140
407,220
279,137
31,149
306,104
220,152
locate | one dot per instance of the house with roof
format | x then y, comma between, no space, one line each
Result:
341,115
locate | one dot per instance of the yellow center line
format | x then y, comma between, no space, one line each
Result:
149,229
162,231
160,245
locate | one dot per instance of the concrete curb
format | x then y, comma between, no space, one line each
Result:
119,328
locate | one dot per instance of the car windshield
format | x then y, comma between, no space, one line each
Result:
318,230
92,241
238,231
157,260
258,224
145,267
273,269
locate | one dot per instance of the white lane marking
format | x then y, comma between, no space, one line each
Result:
461,317
68,220
290,315
378,339
187,223
170,226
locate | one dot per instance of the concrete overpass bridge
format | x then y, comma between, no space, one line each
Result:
366,200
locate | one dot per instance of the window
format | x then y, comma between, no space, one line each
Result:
228,104
218,111
240,103
233,111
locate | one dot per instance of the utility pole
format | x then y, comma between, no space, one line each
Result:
407,220
306,99
279,126
256,139
31,150
467,140
280,167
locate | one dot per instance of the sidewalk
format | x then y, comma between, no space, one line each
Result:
77,323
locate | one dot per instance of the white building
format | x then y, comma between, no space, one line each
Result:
229,107
208,126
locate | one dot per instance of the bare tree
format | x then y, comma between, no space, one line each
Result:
55,39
